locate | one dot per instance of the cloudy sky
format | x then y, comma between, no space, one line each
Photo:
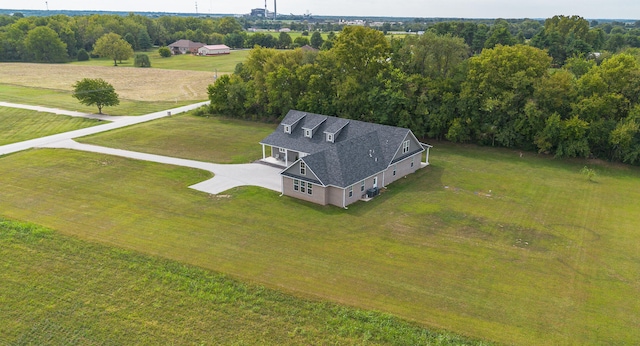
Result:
612,9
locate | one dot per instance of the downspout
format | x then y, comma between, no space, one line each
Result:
344,198
281,185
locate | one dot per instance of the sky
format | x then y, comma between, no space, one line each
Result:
591,9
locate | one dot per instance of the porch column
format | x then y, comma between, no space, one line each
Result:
286,158
426,161
263,153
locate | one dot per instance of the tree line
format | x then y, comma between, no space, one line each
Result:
511,95
61,38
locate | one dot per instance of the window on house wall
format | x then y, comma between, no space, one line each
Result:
394,169
287,129
405,147
362,186
303,187
350,191
309,189
308,133
412,160
282,150
303,168
296,185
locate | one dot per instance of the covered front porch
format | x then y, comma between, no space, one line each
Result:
280,156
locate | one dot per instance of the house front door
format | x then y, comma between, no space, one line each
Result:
375,182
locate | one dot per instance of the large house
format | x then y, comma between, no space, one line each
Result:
338,161
185,46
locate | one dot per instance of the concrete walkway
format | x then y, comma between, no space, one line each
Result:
225,176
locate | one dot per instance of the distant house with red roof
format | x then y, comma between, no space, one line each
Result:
185,46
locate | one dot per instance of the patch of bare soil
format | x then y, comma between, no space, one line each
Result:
139,84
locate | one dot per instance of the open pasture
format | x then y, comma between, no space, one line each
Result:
62,99
17,125
69,291
134,84
483,242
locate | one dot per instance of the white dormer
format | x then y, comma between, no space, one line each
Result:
333,130
312,125
291,120
330,137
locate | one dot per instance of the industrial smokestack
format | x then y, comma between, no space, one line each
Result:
265,9
275,10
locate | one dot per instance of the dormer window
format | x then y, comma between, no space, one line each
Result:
287,128
308,133
330,137
405,147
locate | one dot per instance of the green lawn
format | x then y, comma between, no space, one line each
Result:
63,100
68,291
187,136
222,63
482,243
17,125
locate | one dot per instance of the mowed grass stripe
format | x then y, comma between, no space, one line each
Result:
17,125
187,136
483,242
61,290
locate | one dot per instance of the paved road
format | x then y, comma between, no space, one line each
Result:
64,112
225,176
120,122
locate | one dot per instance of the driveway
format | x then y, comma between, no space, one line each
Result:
225,176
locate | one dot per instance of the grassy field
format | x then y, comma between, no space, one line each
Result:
67,291
186,62
187,136
153,90
482,243
62,99
17,125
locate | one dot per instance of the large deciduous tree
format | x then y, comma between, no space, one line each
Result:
95,92
114,47
498,85
44,45
316,40
432,55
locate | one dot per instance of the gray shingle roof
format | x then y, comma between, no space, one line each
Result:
359,151
336,126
